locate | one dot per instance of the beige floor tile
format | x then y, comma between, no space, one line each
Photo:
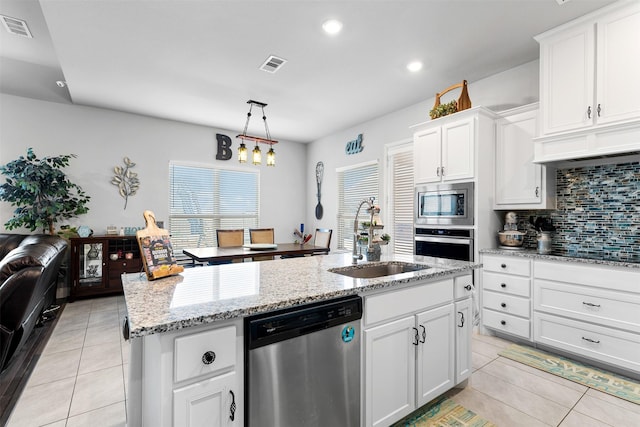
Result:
81,306
125,376
493,340
484,348
104,318
499,413
97,389
43,404
55,366
576,419
69,322
65,340
101,356
61,423
538,372
607,412
614,400
126,351
109,416
102,334
530,403
551,390
478,360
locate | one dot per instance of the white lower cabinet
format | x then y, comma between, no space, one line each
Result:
410,354
464,325
209,403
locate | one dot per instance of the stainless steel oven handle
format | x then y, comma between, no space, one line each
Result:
451,240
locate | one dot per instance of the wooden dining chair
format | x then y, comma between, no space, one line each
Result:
323,237
227,238
261,235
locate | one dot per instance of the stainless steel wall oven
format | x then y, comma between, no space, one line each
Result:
451,243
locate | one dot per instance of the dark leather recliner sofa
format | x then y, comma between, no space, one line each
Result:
29,266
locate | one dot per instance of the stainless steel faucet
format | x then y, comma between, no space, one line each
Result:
355,255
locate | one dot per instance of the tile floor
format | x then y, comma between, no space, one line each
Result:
81,380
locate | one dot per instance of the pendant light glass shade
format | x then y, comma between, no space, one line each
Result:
242,153
271,157
257,155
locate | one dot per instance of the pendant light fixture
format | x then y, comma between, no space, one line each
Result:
256,157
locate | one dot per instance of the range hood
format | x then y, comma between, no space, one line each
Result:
598,142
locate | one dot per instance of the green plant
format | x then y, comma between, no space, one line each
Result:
41,192
444,109
385,237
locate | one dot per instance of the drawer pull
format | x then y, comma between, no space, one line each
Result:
503,285
503,265
468,287
232,408
591,304
503,305
208,357
424,334
590,340
461,319
417,340
503,322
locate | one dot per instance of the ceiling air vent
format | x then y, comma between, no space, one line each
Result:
16,26
273,64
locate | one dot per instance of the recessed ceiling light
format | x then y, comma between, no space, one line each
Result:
332,26
414,66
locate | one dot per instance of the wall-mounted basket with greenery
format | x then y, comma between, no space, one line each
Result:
454,106
41,192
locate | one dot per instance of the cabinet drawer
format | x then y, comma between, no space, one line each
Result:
125,266
506,323
609,308
621,279
190,360
505,283
462,286
509,265
509,304
390,305
612,346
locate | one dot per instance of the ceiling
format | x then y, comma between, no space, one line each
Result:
198,61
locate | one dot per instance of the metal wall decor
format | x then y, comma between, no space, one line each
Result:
355,146
126,180
224,143
319,174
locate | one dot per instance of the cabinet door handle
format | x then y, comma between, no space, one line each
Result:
599,109
208,357
125,328
468,287
503,285
442,170
503,265
424,334
589,112
503,322
438,171
417,340
461,319
591,304
537,191
232,408
590,340
503,305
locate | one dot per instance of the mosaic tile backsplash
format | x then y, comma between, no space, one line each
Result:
597,213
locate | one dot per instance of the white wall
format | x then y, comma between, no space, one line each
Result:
101,138
512,88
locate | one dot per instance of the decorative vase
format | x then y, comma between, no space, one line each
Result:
93,252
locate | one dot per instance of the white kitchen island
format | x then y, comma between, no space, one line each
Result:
178,324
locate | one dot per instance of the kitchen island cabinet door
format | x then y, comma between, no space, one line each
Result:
389,372
463,316
436,356
208,403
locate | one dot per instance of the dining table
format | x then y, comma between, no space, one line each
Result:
231,253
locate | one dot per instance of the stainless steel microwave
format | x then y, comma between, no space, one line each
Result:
444,204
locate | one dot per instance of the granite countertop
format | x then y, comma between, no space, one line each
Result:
531,253
202,295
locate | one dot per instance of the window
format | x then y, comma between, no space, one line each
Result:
400,200
355,184
204,198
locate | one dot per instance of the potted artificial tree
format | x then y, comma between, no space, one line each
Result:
41,192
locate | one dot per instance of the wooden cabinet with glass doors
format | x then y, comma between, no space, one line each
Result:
94,272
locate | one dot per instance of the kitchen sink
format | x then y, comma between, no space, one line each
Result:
378,269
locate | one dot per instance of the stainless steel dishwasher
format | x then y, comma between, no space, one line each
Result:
303,366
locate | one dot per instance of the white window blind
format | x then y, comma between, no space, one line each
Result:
355,184
203,199
401,193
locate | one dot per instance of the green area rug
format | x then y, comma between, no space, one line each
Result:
598,379
442,412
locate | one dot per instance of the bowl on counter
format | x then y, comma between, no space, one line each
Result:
511,238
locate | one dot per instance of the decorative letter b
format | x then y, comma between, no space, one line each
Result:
224,142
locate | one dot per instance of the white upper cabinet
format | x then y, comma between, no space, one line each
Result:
589,89
520,183
445,148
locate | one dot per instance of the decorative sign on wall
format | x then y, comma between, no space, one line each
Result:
224,147
355,146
